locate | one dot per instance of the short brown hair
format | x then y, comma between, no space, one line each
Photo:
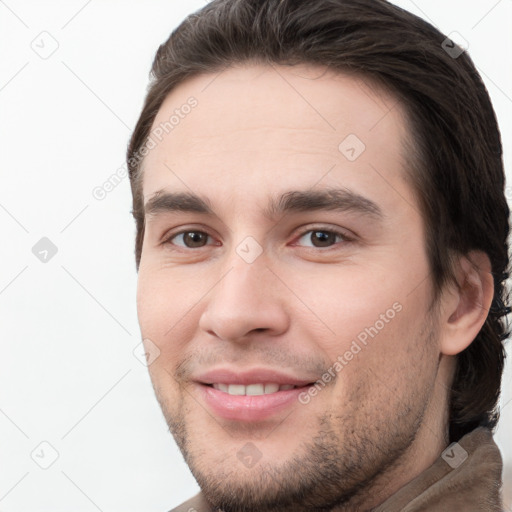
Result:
457,168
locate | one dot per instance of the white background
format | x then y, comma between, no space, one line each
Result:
68,327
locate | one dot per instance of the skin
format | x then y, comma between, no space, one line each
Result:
257,132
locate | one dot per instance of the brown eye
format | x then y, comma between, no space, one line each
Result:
318,238
189,239
323,238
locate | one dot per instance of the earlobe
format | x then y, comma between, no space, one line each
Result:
467,306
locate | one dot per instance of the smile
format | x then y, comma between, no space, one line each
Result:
252,389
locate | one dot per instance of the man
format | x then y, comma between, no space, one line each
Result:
321,244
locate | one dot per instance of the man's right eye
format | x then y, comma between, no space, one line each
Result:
188,239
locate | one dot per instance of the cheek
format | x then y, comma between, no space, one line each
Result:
167,309
366,315
342,303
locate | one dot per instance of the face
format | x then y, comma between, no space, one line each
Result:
284,287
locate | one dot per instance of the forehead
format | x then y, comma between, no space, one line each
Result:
254,127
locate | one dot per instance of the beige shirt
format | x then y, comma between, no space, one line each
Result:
454,483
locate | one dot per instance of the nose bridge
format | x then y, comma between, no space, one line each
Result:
245,266
245,278
244,299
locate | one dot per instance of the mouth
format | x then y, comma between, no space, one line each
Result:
256,389
251,401
250,396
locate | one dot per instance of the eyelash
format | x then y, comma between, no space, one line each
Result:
338,233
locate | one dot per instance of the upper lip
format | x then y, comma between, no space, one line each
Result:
253,376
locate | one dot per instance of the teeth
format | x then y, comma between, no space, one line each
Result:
236,389
252,389
271,388
221,387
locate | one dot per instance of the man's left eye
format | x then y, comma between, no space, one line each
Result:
323,237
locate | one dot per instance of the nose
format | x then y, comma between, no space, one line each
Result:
248,299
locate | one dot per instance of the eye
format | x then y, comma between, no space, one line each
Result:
315,238
323,237
189,239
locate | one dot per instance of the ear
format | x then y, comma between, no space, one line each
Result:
465,308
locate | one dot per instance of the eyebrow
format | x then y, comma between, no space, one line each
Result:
337,199
332,199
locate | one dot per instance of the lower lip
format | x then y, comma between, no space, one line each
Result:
249,407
